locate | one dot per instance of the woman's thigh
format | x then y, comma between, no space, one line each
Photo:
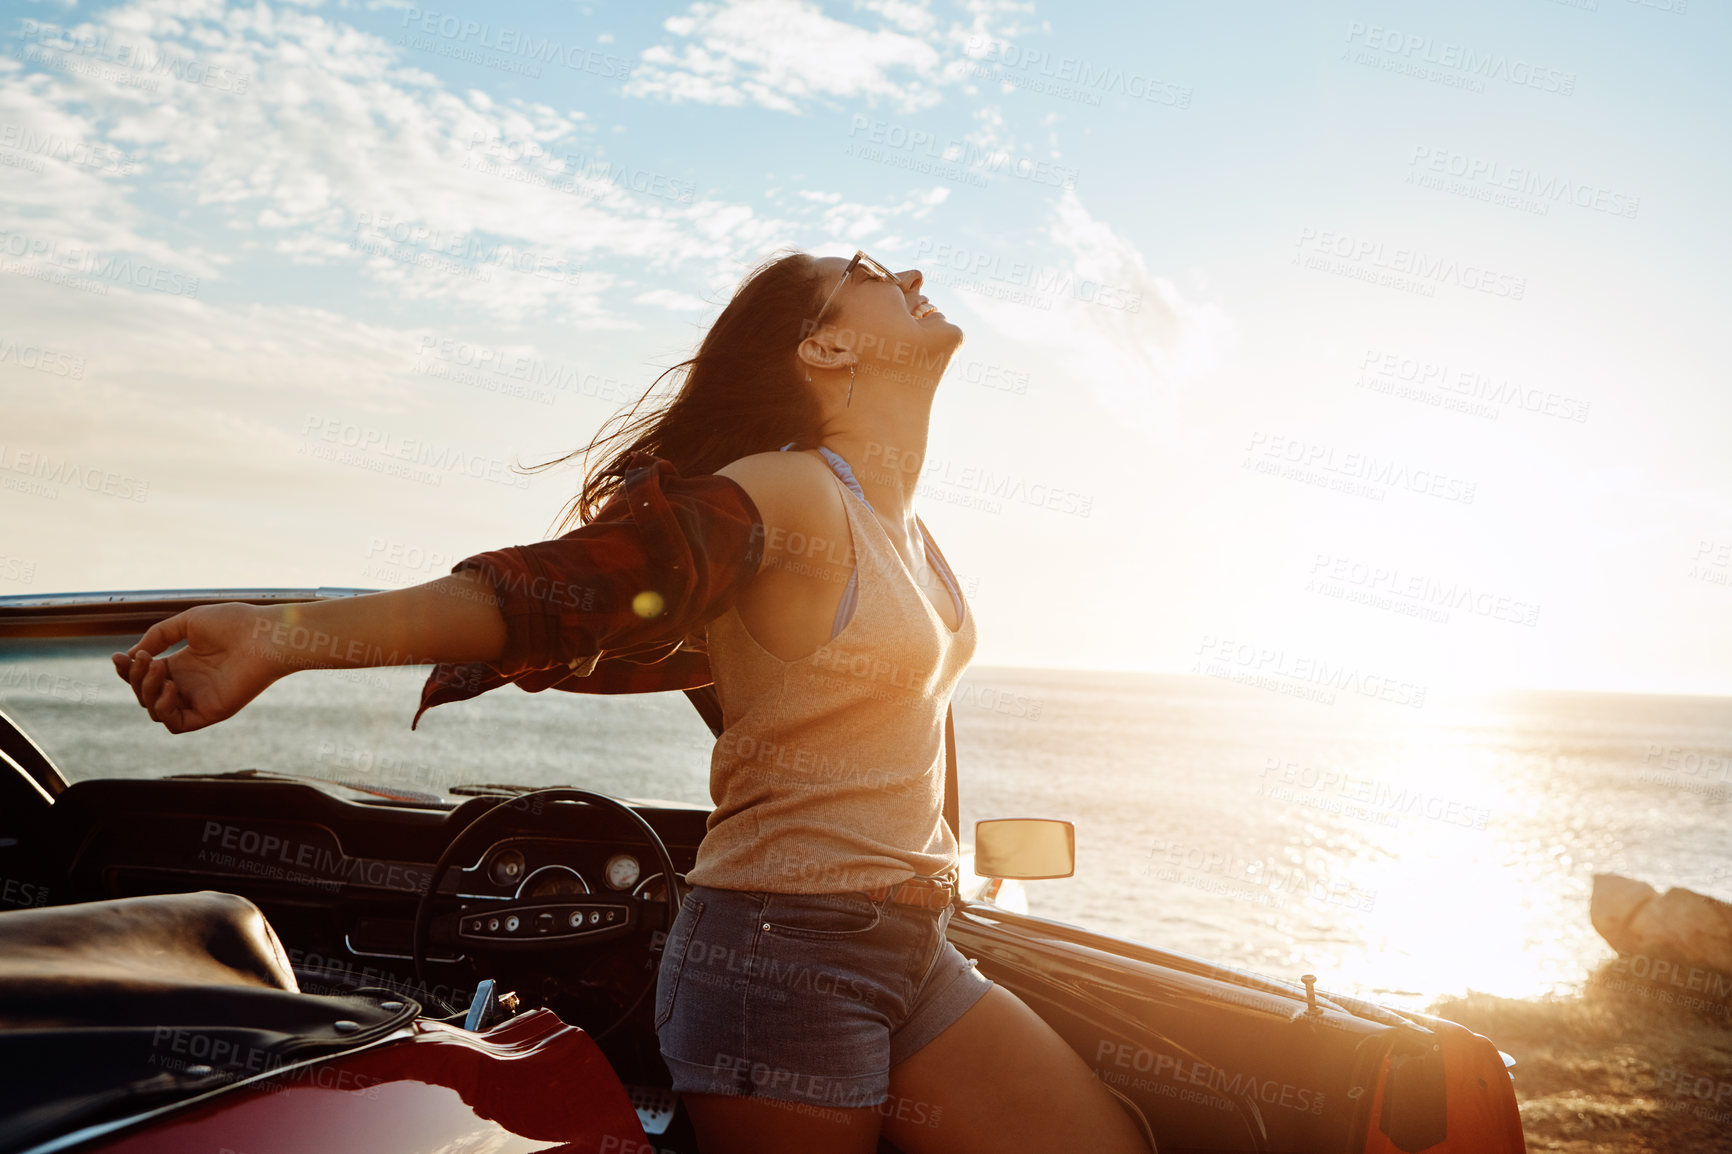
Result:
1000,1078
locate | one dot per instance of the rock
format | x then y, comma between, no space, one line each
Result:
1635,918
1614,906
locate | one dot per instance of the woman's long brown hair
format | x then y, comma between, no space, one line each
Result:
742,393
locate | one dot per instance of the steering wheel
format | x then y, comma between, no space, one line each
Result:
549,923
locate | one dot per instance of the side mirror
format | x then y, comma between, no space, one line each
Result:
1024,847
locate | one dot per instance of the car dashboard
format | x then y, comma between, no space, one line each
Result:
339,877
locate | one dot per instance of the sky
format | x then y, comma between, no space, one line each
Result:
1300,338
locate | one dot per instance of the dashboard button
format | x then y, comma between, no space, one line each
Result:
544,923
511,924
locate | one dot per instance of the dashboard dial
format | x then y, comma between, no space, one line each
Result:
553,881
506,868
623,871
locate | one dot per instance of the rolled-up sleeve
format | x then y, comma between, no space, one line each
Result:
662,558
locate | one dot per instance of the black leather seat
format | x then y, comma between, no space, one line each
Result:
107,1008
97,963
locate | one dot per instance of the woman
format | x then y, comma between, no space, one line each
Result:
808,998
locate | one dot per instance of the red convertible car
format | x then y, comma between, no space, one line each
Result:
238,961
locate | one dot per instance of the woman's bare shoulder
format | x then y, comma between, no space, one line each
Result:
789,489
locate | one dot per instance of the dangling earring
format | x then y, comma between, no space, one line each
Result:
850,399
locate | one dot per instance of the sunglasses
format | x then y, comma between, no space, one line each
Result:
861,261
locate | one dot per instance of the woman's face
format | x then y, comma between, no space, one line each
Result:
890,327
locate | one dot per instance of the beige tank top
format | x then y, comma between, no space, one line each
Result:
829,771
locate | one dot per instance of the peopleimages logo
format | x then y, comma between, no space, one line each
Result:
408,241
1041,280
1411,48
536,373
281,856
963,153
65,471
380,450
42,360
142,58
97,156
1218,1080
1359,474
1390,370
1387,586
583,173
79,261
1081,79
1272,668
1546,188
464,34
1370,254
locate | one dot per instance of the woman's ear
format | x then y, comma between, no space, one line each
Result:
803,359
813,353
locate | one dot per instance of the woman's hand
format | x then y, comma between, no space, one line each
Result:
234,651
224,665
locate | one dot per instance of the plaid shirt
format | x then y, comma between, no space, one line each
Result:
618,605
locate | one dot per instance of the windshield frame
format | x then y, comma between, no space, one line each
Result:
41,616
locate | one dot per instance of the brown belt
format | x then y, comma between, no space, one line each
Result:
928,893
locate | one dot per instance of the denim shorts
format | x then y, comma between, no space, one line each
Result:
804,997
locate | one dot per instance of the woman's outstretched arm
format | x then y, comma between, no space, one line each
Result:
234,652
659,560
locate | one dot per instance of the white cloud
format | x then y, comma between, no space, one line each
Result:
990,131
852,223
911,17
340,163
332,147
788,54
80,199
1113,322
785,54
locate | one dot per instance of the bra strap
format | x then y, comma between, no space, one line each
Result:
934,557
850,594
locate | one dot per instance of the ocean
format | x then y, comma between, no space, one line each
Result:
1398,852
